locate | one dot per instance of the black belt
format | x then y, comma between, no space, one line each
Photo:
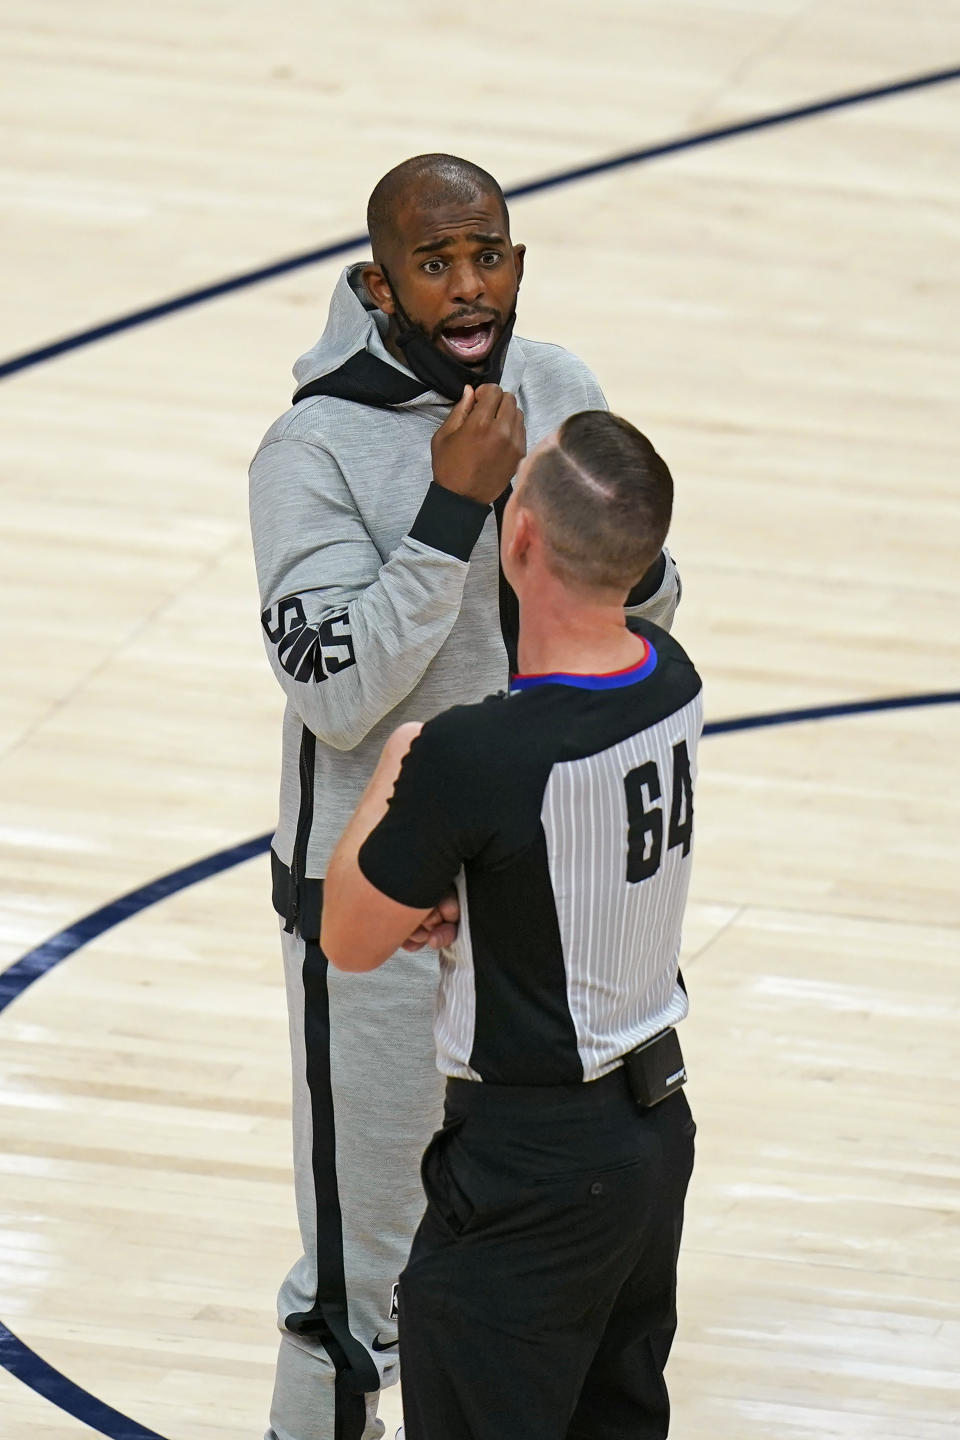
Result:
651,1073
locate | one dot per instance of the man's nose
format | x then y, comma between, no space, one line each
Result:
467,283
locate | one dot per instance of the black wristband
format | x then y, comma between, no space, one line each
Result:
449,522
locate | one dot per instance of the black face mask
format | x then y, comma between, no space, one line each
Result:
441,372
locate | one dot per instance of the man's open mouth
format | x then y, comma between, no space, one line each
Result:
469,341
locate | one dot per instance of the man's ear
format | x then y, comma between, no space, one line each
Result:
518,253
379,287
524,528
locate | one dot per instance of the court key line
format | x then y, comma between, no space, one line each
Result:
15,1354
81,338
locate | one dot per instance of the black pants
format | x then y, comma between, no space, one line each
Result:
539,1301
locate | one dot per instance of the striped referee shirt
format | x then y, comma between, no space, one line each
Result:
563,812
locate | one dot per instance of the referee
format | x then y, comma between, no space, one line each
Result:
539,1297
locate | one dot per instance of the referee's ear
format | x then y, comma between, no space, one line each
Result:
520,534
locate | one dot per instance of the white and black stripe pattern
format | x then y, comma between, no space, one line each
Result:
456,1016
565,811
620,941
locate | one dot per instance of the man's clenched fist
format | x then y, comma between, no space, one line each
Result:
479,446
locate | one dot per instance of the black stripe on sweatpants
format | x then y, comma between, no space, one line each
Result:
326,1322
301,844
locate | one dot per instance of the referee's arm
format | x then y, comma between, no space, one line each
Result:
361,927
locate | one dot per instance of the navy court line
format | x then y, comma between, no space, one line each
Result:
27,1365
28,358
739,127
37,962
832,712
15,1355
15,979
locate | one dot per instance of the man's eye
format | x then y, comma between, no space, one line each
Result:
432,267
490,257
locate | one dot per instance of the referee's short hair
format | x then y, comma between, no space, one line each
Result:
603,497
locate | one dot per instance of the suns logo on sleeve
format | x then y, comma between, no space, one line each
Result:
309,652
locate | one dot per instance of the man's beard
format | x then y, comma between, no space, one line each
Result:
442,372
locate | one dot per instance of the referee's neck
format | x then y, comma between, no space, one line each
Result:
572,632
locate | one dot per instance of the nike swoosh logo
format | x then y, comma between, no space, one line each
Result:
375,1344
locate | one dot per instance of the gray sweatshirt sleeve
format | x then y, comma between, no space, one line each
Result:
658,605
349,634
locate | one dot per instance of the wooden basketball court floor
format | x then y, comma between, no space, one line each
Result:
779,311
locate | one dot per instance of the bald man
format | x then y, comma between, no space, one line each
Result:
376,502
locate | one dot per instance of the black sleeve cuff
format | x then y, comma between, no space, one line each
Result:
449,522
651,582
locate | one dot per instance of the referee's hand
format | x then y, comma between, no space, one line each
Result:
479,446
439,928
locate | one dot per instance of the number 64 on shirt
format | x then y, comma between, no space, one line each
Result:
645,817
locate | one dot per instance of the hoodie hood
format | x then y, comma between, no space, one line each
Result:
351,361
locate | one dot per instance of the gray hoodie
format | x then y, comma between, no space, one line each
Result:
382,595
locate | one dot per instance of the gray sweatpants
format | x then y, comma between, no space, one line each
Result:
367,1096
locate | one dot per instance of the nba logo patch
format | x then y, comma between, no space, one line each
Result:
394,1301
